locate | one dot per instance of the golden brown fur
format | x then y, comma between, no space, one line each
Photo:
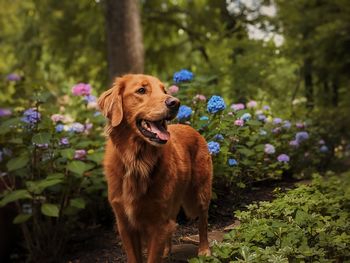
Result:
148,182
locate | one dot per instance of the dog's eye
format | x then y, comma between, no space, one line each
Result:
141,90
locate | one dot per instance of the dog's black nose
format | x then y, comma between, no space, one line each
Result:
172,103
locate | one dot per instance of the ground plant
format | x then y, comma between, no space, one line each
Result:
307,224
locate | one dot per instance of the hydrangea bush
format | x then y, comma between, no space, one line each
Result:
50,165
247,141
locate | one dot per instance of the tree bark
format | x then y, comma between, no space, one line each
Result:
124,37
309,89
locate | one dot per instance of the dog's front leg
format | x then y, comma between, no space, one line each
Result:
130,237
158,238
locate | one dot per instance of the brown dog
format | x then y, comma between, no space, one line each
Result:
152,170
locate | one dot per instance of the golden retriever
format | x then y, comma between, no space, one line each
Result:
152,169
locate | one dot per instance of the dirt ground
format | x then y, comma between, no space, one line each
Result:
100,244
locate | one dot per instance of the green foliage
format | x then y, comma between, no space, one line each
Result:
51,169
307,224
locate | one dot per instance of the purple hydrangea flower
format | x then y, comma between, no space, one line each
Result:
90,98
81,89
261,117
182,76
238,106
13,77
216,104
232,162
276,130
321,142
64,141
213,147
277,120
269,149
5,112
294,143
300,125
283,158
266,108
301,136
76,127
184,112
287,125
31,116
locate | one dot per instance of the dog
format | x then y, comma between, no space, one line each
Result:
152,169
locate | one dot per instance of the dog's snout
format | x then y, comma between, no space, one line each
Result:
172,103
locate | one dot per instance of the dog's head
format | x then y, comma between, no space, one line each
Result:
141,103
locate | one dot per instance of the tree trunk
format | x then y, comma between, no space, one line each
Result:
309,90
124,37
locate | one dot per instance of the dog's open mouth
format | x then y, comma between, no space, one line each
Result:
154,130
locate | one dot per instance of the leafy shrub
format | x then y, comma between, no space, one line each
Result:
50,164
308,224
248,141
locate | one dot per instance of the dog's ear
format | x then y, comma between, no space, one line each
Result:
110,103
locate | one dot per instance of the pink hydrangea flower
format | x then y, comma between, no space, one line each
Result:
80,154
238,106
239,122
81,89
57,117
200,97
173,89
252,104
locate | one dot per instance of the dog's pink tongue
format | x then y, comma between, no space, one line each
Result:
162,133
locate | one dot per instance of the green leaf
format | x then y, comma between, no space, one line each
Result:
79,167
41,138
50,210
246,152
254,123
97,157
67,153
21,218
14,196
55,176
38,187
78,203
17,163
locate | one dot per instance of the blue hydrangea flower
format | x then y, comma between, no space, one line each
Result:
232,162
215,104
76,127
324,149
301,136
31,116
213,147
184,112
287,124
59,127
182,76
269,149
283,158
204,118
246,116
219,137
90,98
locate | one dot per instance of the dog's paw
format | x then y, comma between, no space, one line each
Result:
204,252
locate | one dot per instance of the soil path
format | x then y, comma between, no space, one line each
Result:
101,245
